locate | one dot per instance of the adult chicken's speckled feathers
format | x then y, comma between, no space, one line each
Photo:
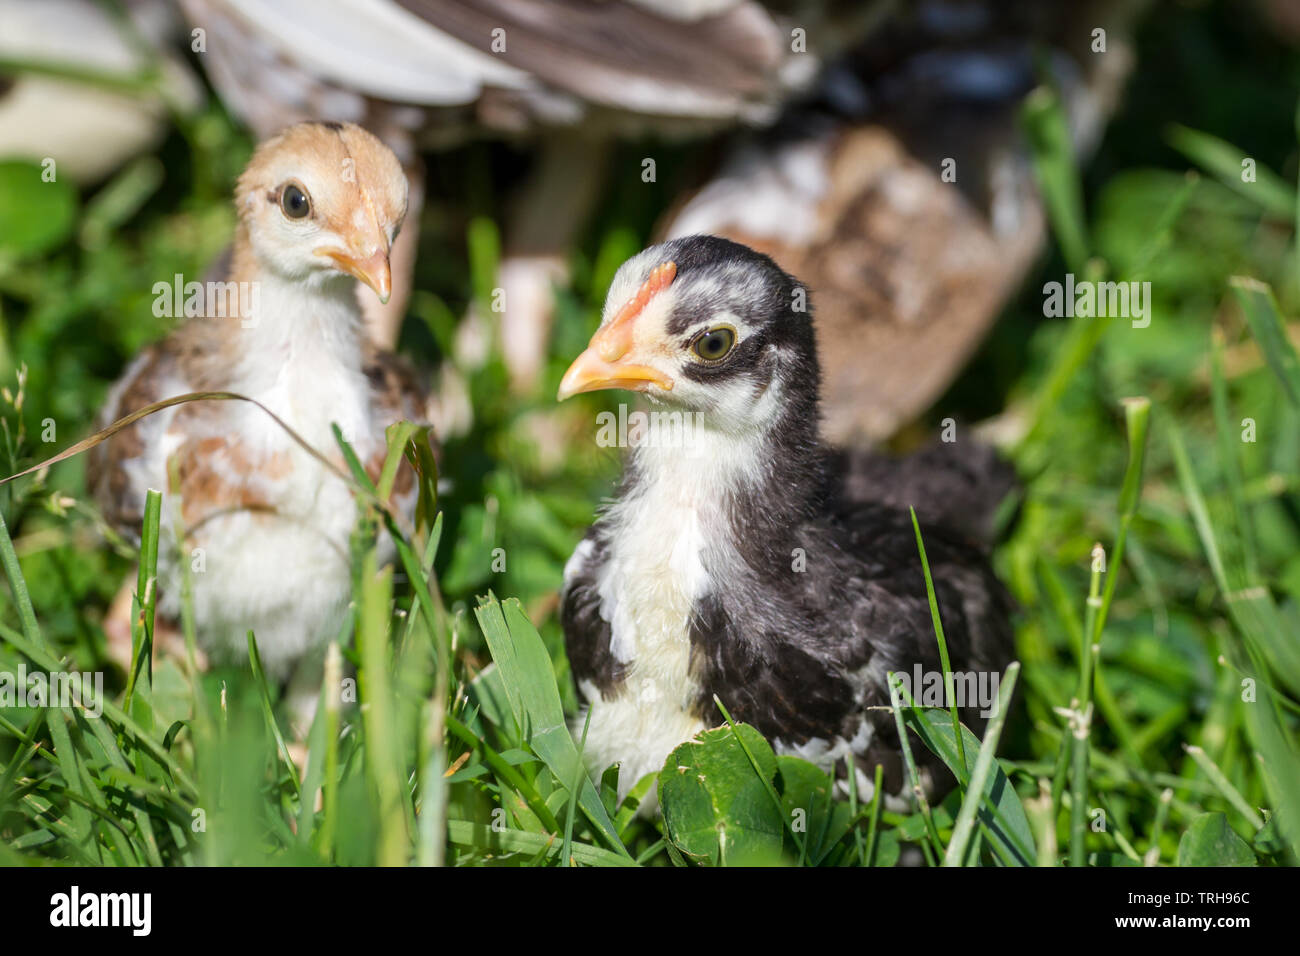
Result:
749,560
440,68
267,525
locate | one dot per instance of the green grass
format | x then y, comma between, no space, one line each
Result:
1155,711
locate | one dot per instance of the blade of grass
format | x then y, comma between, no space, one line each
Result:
268,711
507,773
873,826
1080,731
1265,321
18,588
1152,856
114,714
1269,191
383,762
142,622
1228,457
56,718
529,681
331,702
1264,722
1047,129
965,823
431,835
896,690
574,785
479,836
943,649
1224,785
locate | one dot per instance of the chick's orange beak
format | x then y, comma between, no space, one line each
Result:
590,373
604,363
371,268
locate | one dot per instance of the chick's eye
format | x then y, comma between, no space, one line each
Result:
714,344
294,202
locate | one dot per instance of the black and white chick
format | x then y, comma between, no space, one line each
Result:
743,559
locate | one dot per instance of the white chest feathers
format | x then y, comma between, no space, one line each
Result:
283,570
665,536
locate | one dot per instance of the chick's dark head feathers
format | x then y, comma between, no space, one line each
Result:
705,324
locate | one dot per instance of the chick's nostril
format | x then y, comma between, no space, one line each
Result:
613,344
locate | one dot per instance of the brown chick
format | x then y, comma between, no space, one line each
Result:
265,524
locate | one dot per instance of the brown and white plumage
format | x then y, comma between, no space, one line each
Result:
214,471
266,523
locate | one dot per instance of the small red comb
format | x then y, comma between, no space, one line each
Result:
660,278
615,337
